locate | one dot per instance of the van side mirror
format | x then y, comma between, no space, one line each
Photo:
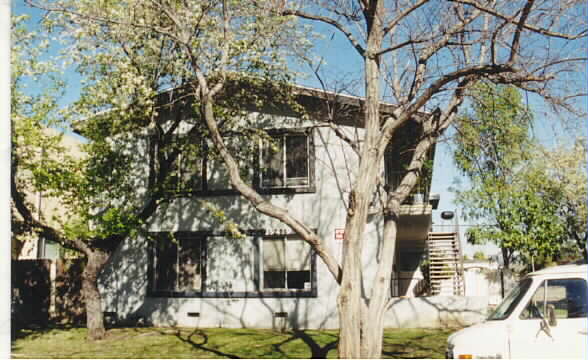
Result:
552,320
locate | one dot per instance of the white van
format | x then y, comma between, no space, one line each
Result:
544,316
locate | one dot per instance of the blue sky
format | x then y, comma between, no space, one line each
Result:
341,60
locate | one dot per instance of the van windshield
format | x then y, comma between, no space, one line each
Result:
511,301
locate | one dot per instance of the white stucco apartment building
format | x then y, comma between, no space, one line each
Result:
268,277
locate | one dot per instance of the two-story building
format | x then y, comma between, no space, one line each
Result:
194,268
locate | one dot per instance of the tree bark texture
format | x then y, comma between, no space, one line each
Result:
353,310
92,296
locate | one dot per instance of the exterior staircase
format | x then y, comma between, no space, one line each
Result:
445,264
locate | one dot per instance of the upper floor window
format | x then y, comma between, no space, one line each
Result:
187,172
199,170
286,161
286,164
397,159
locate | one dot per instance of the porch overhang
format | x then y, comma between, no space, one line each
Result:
413,226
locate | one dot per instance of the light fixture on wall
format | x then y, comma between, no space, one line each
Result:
447,215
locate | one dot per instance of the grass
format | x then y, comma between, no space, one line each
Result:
178,343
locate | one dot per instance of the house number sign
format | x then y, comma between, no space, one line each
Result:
274,232
339,234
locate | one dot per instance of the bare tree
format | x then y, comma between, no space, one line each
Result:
427,54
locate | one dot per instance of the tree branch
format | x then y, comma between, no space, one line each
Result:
331,22
392,24
539,30
514,49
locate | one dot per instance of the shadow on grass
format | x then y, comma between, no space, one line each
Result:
316,351
201,342
198,339
425,346
34,331
241,343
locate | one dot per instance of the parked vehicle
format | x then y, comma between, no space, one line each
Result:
544,316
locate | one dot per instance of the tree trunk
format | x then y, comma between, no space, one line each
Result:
351,300
506,258
92,297
354,321
380,294
373,337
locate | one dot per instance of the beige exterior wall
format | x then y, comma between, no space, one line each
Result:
49,209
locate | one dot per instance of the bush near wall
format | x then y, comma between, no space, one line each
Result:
31,290
69,304
39,300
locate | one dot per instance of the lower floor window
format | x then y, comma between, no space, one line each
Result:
186,264
286,263
178,263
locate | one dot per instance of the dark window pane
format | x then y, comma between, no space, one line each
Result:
218,176
273,164
186,171
190,264
396,160
297,159
511,301
173,180
409,261
535,307
568,297
166,264
274,279
190,170
298,279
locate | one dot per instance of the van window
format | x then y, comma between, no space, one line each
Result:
511,301
568,297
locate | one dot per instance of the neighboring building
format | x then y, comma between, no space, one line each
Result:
47,209
487,278
268,277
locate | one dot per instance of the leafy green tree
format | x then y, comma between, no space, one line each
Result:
563,170
136,67
515,191
37,156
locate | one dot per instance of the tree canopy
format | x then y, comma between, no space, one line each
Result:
517,186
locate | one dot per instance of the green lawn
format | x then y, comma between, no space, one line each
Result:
215,343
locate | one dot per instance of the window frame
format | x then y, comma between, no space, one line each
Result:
259,292
286,291
282,134
154,262
177,190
